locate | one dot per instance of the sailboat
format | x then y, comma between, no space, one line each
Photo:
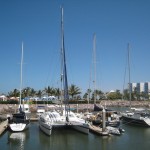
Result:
45,123
112,118
65,117
71,119
134,117
19,121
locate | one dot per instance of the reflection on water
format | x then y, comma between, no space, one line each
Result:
18,136
64,139
67,139
17,140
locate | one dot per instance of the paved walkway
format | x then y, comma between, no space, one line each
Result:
3,126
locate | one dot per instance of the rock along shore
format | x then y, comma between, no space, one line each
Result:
10,108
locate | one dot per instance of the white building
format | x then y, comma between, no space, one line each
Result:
3,97
132,86
140,87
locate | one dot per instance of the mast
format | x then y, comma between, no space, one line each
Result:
128,47
89,90
65,81
21,72
61,53
94,61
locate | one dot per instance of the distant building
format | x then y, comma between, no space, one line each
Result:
3,98
147,87
140,87
132,87
111,91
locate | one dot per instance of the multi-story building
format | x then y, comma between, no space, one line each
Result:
132,86
140,87
147,87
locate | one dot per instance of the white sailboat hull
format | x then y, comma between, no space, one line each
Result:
18,127
59,124
78,123
84,128
140,121
45,127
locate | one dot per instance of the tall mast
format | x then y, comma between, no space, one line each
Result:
94,61
65,81
129,73
21,72
62,32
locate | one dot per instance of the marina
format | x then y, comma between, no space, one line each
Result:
68,138
71,139
134,138
73,94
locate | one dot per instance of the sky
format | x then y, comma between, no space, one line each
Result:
37,23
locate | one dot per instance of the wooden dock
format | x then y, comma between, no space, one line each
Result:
98,130
33,119
3,126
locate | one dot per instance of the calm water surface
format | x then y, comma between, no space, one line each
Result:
134,138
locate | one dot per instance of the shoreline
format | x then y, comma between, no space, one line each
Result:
10,108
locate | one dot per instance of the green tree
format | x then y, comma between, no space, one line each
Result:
118,94
114,95
39,93
14,93
126,94
74,90
26,92
57,92
50,91
85,96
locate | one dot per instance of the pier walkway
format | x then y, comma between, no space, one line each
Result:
3,126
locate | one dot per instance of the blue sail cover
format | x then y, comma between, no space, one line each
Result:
20,109
65,81
66,97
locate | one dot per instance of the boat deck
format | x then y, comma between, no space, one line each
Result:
98,130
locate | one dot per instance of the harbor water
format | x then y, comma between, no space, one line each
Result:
134,138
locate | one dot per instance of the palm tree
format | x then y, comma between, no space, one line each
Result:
49,90
57,92
14,93
85,96
100,94
89,93
96,93
32,92
74,90
39,93
26,92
